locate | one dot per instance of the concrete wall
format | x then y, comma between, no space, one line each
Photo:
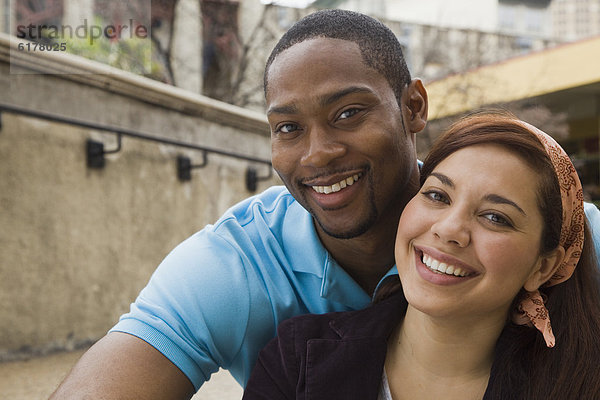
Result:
77,244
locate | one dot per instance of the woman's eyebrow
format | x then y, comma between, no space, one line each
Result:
493,198
443,178
497,199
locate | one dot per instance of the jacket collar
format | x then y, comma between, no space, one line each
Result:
351,366
378,320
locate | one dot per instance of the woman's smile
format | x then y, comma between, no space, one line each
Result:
465,241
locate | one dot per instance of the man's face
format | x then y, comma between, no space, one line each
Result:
338,141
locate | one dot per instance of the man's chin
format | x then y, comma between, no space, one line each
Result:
345,232
335,226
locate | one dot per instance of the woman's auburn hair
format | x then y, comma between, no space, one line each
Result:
524,368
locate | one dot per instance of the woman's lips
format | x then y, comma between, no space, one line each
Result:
441,269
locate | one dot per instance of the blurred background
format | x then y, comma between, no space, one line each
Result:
125,127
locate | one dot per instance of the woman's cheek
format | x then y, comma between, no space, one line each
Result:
412,224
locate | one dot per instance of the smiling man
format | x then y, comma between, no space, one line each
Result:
343,112
343,146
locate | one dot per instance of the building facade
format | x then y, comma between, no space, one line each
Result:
575,19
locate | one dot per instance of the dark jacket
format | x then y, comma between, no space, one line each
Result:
329,356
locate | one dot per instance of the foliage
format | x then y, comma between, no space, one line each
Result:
133,54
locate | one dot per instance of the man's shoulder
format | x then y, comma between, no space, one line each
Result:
269,223
591,212
272,204
238,231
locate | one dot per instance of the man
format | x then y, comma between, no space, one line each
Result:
343,113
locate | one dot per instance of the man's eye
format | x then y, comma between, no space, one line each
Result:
348,113
286,128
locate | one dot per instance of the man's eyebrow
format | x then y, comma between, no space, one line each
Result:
333,97
443,178
497,199
325,100
285,109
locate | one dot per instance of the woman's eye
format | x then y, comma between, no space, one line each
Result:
348,113
497,219
436,196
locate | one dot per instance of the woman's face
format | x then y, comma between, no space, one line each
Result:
470,239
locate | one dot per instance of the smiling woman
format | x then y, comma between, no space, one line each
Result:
498,294
513,241
474,218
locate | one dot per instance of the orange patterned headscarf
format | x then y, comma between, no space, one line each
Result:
531,309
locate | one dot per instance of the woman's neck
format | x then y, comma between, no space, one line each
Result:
441,358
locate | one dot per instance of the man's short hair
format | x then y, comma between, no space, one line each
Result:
378,45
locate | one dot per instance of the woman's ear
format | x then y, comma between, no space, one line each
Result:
545,268
415,103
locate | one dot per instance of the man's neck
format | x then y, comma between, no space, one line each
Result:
366,261
368,257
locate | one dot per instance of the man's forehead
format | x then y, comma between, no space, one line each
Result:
334,53
318,43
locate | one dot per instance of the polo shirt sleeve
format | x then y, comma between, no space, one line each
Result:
593,216
196,307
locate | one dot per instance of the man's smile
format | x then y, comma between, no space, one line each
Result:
336,187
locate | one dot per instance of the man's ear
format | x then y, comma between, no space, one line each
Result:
546,267
415,104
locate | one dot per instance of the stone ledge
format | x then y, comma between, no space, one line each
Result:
75,68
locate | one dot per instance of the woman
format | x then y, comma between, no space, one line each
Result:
499,296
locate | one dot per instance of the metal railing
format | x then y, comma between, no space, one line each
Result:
95,152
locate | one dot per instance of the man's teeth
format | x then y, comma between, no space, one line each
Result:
336,187
443,268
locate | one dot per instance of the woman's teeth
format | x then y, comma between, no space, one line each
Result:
442,267
336,187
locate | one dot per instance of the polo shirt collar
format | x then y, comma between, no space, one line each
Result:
338,286
310,256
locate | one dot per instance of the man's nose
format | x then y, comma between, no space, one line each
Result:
322,147
453,227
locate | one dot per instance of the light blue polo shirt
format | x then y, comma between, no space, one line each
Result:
218,297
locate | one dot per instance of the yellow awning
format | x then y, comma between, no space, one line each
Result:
563,67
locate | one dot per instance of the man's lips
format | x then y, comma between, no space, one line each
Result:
334,191
337,186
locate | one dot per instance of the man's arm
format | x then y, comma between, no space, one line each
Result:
122,366
191,318
593,216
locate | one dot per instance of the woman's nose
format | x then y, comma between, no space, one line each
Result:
453,227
